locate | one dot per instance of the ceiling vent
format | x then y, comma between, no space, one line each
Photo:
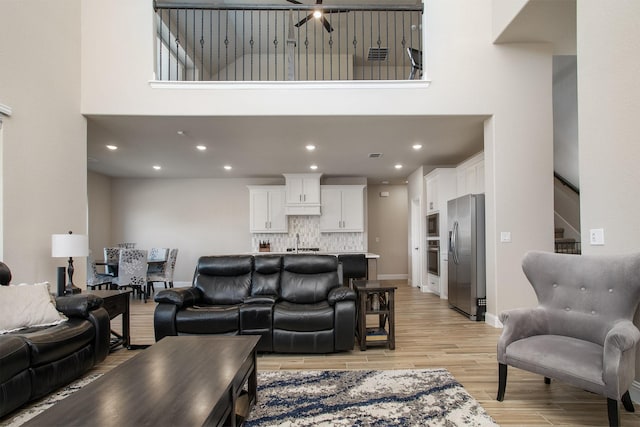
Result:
375,155
378,53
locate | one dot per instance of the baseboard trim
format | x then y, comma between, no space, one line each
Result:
393,276
492,320
634,392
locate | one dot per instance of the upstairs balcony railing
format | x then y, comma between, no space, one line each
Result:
284,42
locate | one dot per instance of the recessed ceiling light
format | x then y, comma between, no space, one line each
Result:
180,132
385,182
227,167
417,146
313,167
398,166
317,14
201,147
310,147
157,167
112,147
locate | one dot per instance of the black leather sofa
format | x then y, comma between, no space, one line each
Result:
296,303
36,361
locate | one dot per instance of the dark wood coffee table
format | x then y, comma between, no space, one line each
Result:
179,381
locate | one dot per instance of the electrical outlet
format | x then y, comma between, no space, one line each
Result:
596,236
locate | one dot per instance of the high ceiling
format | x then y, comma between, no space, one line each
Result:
270,146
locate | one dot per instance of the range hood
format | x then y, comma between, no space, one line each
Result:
302,193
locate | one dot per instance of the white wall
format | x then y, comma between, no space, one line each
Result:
44,141
609,107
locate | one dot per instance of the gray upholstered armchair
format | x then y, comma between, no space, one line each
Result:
581,332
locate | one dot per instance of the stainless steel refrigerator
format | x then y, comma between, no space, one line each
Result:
467,272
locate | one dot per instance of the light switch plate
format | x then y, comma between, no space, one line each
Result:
505,236
596,236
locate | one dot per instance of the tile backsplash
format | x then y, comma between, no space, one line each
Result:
308,227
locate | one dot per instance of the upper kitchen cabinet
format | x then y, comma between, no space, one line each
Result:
267,209
303,193
440,184
342,208
470,176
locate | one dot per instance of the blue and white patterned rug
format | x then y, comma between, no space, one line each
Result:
430,397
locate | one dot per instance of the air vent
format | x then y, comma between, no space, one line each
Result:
378,53
375,155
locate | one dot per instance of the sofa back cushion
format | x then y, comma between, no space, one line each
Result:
266,275
224,279
307,279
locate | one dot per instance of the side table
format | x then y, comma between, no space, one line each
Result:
117,303
375,298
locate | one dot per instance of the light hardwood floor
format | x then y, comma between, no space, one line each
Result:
431,335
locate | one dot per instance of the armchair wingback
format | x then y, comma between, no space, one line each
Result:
581,332
294,302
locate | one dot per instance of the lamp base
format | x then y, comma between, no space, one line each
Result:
71,289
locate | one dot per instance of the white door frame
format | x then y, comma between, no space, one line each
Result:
415,279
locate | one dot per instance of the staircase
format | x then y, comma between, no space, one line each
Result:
564,245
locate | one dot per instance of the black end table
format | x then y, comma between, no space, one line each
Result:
117,303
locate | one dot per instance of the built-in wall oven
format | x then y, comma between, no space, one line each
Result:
433,225
433,257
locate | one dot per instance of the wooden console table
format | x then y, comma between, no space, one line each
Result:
375,298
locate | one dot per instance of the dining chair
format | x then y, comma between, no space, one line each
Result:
157,254
111,256
126,245
165,274
95,279
132,271
354,267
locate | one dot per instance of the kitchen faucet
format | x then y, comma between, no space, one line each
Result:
297,241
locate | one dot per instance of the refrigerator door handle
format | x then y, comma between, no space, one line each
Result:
454,243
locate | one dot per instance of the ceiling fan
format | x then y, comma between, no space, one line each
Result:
316,14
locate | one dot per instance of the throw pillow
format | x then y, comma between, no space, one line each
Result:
23,306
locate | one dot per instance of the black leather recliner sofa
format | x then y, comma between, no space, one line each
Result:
36,361
296,303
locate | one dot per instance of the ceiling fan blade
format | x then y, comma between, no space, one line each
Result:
294,1
304,20
326,24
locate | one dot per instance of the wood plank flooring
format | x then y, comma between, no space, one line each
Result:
431,335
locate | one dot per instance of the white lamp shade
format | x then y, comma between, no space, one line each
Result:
69,245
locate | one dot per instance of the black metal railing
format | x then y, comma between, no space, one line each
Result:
217,42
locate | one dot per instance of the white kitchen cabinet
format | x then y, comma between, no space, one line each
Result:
267,209
470,176
342,208
440,185
302,193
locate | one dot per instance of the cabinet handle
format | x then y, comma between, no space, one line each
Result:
266,224
304,197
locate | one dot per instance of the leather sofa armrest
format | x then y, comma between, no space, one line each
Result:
102,342
180,297
260,299
341,293
78,305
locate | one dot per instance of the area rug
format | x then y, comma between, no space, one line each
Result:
34,408
364,398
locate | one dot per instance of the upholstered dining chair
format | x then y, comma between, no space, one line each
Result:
95,279
582,330
157,254
165,274
111,256
132,270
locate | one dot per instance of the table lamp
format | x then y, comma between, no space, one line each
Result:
69,245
